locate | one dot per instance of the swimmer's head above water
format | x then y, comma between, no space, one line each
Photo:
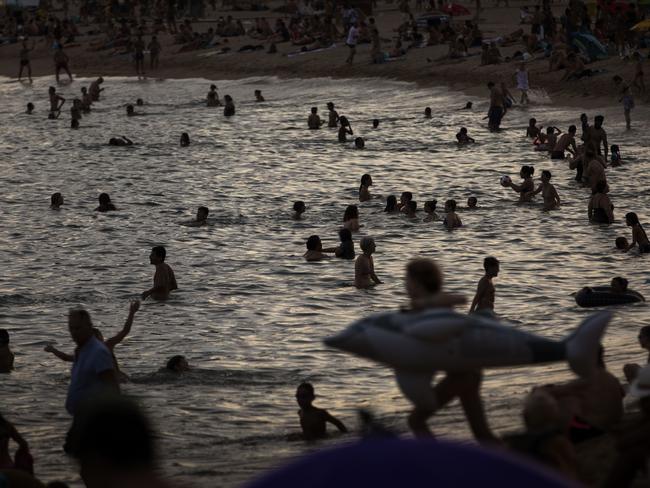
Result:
130,110
450,205
491,266
56,200
375,123
619,285
139,102
30,108
406,197
177,364
299,207
158,255
185,139
359,143
621,243
472,202
430,206
527,171
546,176
314,243
468,106
427,113
367,245
351,212
202,214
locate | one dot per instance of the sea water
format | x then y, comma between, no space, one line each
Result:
250,314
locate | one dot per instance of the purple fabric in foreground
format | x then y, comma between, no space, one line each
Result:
410,463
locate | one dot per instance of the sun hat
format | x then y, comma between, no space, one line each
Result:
641,386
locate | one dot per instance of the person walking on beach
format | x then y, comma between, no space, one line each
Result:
351,42
522,83
164,280
628,105
497,107
25,61
138,48
485,291
61,61
154,52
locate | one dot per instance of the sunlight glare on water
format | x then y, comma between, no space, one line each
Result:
250,314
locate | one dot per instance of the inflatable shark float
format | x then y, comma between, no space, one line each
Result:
418,344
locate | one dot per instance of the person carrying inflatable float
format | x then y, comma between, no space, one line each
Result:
429,337
601,296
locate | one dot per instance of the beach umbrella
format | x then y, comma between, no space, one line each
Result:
390,463
455,9
644,25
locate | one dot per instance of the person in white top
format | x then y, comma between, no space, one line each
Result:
353,37
522,82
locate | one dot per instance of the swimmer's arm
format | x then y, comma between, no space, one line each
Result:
555,195
119,337
374,278
516,187
127,140
59,354
336,422
590,208
535,192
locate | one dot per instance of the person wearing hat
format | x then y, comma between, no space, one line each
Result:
633,443
6,356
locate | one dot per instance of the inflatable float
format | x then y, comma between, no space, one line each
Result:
602,296
417,344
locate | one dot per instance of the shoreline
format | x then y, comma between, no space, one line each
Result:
425,66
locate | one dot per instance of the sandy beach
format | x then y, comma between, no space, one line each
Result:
427,66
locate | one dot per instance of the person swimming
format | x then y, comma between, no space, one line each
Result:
258,96
298,209
364,188
177,364
548,191
213,97
130,111
313,420
351,218
638,233
139,102
229,108
164,280
105,204
314,249
525,189
185,139
451,220
375,123
364,266
615,155
333,116
56,200
600,209
532,130
391,204
404,199
463,138
345,129
314,121
430,209
411,209
427,113
201,217
345,250
472,202
30,108
74,124
359,143
120,141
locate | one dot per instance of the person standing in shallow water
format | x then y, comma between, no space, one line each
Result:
213,97
332,116
313,420
364,188
229,108
485,291
364,266
345,129
164,281
105,204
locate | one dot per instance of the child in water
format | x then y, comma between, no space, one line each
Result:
621,243
313,420
472,203
345,129
615,155
430,210
549,193
462,137
452,220
364,188
532,130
